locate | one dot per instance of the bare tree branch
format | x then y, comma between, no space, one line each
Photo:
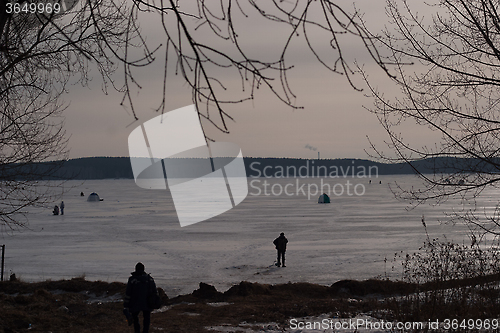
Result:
448,69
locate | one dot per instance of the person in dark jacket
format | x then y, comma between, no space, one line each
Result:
140,288
280,244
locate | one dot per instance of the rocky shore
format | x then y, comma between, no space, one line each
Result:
78,305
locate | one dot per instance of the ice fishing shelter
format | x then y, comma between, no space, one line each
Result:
324,198
93,197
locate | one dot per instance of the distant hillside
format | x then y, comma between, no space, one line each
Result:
120,167
97,168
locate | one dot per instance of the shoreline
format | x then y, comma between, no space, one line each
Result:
78,305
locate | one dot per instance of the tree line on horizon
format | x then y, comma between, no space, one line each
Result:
120,168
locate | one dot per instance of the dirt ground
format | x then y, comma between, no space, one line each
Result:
78,306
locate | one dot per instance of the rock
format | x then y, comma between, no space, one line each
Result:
207,291
63,309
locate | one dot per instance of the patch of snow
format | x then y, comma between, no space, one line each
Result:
320,324
218,304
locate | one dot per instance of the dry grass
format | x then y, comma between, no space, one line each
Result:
452,281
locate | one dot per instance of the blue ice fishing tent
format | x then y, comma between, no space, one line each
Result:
93,197
324,198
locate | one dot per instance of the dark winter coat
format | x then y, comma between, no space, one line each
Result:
140,287
280,243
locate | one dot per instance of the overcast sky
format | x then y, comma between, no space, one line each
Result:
333,121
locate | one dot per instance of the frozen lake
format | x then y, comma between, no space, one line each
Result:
347,239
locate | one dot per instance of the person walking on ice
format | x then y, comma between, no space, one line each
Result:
280,244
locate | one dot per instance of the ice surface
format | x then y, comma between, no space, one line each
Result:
347,239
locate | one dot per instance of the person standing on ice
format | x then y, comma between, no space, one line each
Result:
140,288
62,207
280,244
